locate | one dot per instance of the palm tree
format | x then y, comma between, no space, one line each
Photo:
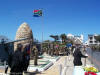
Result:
63,37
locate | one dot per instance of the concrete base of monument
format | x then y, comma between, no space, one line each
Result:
40,67
51,58
43,63
54,59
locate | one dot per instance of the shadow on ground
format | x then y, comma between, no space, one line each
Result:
33,73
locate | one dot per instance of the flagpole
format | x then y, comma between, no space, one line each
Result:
42,30
39,13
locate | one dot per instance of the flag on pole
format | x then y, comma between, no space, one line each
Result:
37,13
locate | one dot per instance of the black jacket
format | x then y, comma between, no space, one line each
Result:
17,62
77,58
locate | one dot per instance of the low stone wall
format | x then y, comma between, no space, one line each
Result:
94,57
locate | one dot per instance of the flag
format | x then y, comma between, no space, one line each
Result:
37,13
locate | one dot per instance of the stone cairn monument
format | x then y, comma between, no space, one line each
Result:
24,31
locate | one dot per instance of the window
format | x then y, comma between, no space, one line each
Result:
90,38
95,41
91,41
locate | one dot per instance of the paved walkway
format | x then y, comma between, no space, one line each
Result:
54,70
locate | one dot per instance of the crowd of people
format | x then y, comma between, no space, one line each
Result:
72,50
19,60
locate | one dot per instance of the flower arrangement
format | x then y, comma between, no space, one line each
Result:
91,69
90,73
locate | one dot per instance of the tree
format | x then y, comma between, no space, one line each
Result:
63,37
70,40
97,38
55,37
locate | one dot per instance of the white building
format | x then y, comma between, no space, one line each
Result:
70,36
77,39
92,40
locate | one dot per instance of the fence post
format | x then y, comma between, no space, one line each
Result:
60,69
65,62
0,61
5,64
84,62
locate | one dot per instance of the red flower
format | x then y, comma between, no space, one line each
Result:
90,73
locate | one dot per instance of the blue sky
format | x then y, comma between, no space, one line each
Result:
59,16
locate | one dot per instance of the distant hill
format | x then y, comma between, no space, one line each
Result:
5,38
